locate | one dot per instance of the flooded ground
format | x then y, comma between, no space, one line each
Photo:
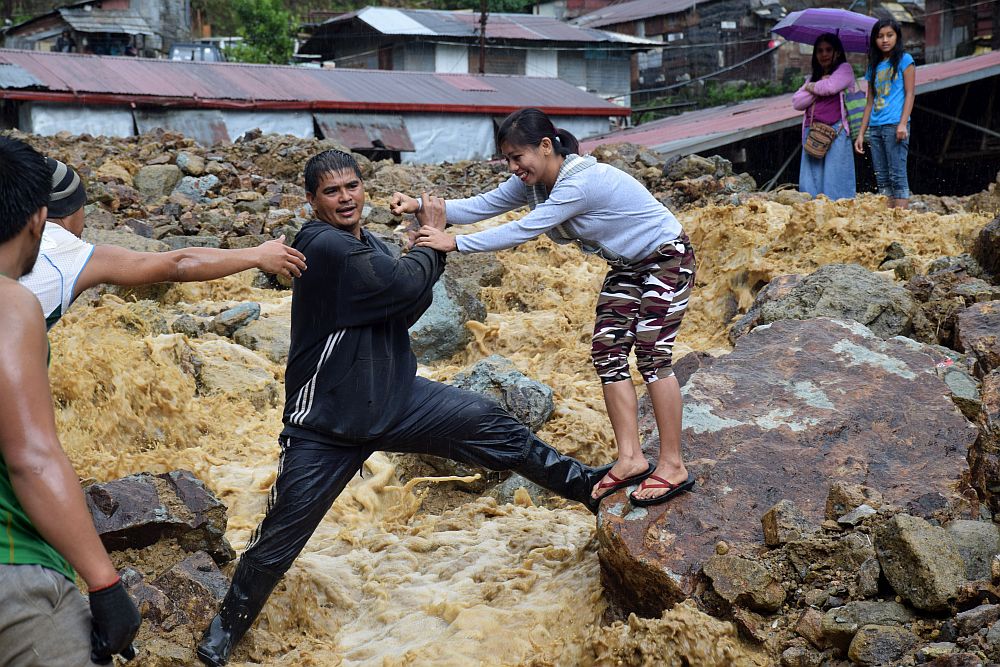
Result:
382,582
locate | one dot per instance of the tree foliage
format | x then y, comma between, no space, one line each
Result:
266,29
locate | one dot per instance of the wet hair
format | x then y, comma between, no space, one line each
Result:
25,181
875,55
527,127
839,57
324,163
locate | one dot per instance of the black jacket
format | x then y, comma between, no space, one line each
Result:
350,366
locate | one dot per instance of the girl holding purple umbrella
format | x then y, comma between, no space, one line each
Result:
822,100
891,88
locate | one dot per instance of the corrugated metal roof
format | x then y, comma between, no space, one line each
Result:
632,11
440,23
88,79
12,76
705,129
112,21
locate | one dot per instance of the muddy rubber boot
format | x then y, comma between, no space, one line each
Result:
560,473
247,594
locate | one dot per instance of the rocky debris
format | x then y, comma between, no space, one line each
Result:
973,620
978,543
801,656
779,288
196,586
920,561
689,364
191,164
818,395
440,332
743,582
139,510
942,295
857,515
987,247
881,644
508,491
529,401
230,320
196,190
785,523
229,369
977,332
479,268
840,291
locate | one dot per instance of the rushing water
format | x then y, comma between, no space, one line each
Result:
384,582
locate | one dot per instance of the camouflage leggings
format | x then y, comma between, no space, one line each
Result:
643,305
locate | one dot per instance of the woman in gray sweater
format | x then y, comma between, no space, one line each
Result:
575,199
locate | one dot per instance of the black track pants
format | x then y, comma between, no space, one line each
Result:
440,420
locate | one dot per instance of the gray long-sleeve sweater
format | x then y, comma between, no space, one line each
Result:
602,208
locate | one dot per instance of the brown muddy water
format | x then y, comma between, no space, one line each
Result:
383,583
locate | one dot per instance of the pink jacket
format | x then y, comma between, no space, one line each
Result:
842,79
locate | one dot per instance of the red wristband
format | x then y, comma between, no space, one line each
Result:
104,588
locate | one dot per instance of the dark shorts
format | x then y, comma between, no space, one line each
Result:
642,306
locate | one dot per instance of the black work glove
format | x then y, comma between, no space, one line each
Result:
115,622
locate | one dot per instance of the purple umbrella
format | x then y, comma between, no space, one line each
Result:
805,26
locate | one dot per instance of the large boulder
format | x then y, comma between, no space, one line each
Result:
136,511
977,332
841,291
268,335
441,332
920,561
158,180
527,400
796,406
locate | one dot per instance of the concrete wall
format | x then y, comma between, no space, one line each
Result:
451,58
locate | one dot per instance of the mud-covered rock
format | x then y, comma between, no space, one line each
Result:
881,644
785,522
268,335
987,248
196,587
743,582
229,369
819,395
977,333
920,561
840,625
977,543
527,400
840,291
136,511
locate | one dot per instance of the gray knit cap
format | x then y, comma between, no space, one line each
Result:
68,193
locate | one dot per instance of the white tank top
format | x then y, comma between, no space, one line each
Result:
60,262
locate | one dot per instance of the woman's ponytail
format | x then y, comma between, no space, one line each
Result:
566,143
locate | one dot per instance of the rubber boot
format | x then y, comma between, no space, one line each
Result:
247,594
560,473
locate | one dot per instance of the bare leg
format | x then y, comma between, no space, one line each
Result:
667,407
901,203
623,411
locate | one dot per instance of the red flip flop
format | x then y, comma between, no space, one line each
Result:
620,483
660,483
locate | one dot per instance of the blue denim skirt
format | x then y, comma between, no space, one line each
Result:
833,175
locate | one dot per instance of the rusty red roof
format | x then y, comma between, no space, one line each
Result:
705,129
95,80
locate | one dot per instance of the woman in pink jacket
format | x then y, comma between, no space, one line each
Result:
822,100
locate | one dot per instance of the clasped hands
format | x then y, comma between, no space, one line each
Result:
430,213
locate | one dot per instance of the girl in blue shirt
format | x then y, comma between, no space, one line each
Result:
891,82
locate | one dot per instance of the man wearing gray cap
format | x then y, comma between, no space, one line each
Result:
68,265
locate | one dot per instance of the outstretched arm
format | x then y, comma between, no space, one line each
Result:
43,480
120,266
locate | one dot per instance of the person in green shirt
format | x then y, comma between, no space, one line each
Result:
46,531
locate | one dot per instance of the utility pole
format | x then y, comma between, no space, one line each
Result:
483,13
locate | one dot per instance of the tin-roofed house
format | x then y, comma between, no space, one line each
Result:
106,27
423,40
412,116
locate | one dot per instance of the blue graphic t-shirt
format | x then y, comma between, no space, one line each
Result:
889,92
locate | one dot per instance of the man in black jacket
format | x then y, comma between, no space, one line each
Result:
351,389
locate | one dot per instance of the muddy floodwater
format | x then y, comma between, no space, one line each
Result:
384,582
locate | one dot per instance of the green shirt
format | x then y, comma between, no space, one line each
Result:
20,542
